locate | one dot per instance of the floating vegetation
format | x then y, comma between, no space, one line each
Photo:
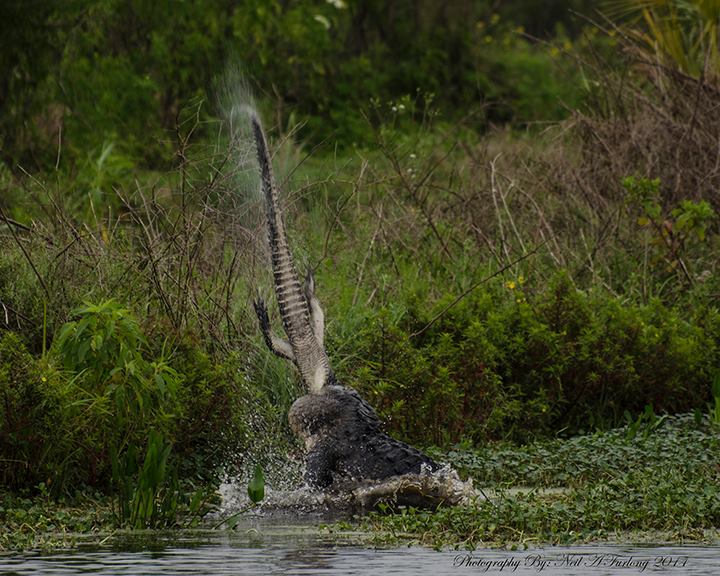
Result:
608,485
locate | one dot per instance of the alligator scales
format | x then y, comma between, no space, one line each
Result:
342,433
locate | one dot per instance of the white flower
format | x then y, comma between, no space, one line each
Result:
324,21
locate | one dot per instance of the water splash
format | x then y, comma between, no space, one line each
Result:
424,490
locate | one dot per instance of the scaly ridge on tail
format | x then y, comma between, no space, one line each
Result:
299,309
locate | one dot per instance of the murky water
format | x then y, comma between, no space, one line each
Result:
282,537
298,550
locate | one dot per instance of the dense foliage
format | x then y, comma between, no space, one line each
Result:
520,366
107,79
70,416
483,279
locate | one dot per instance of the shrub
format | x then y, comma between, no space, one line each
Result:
30,410
118,394
216,427
520,365
93,421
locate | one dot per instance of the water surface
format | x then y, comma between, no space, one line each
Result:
305,550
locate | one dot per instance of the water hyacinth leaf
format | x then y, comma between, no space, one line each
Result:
256,486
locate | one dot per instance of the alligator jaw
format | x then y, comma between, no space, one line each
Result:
308,352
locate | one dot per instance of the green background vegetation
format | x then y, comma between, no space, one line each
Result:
512,221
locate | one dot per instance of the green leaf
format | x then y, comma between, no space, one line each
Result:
256,487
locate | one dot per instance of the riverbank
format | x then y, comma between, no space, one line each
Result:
655,480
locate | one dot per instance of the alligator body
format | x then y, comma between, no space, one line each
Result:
342,433
344,440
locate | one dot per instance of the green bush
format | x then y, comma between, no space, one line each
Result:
506,363
216,427
30,410
118,395
89,423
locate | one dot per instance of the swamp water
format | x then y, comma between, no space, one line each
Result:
283,536
278,549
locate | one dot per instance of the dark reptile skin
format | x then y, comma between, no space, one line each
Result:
347,440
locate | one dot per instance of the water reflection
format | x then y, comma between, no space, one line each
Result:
293,550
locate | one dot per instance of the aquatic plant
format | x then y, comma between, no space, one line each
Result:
256,486
148,491
662,484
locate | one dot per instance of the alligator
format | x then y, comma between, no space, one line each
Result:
343,435
344,440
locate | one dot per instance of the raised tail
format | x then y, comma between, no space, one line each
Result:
297,305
